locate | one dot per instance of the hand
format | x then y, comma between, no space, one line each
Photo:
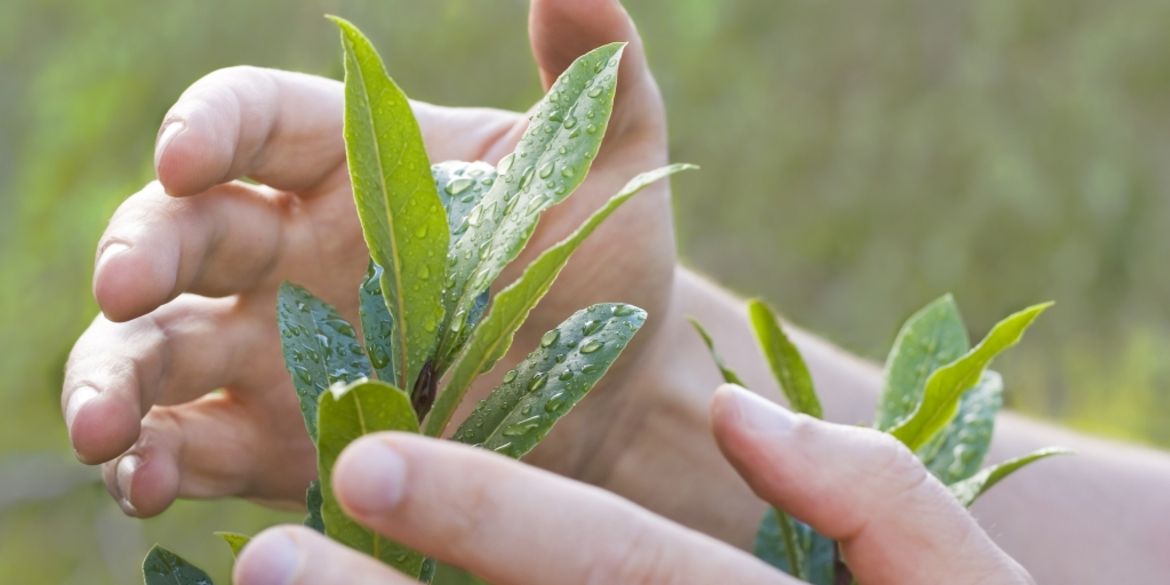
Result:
187,272
514,525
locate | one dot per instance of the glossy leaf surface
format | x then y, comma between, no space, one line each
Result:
347,413
320,348
784,359
814,551
378,325
945,387
402,217
968,490
729,374
958,452
235,541
461,185
553,378
163,567
931,338
313,502
511,307
550,161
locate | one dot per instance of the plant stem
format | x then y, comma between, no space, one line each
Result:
788,533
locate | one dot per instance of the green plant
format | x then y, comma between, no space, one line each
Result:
438,237
938,398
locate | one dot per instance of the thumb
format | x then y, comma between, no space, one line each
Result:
562,30
896,523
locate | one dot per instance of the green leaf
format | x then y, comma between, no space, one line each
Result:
930,338
946,385
313,502
957,452
494,334
461,185
347,413
163,567
969,489
550,161
235,541
785,360
320,348
543,387
378,325
401,214
729,375
815,552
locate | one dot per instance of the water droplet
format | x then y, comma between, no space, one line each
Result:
425,273
592,129
511,205
623,310
526,410
473,219
313,356
592,346
567,172
511,375
550,338
527,178
379,358
505,164
554,116
468,198
596,91
421,232
589,368
554,95
505,448
546,170
599,67
523,426
458,185
591,327
555,402
569,123
535,205
430,325
561,358
565,375
537,382
548,129
575,133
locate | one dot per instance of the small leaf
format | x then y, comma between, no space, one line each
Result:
543,387
378,325
550,161
946,385
785,360
957,452
494,334
729,375
932,337
320,348
235,541
969,489
163,567
461,185
313,502
815,551
347,413
402,217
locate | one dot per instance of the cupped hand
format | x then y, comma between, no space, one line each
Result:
515,525
187,271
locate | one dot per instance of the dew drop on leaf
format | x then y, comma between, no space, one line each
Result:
511,375
537,382
550,338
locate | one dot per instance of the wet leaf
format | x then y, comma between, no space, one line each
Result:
235,541
401,214
543,387
729,375
785,360
931,338
946,386
378,325
320,348
313,503
461,185
815,552
346,414
968,490
511,307
957,452
163,567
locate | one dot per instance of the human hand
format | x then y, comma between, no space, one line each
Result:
515,525
188,270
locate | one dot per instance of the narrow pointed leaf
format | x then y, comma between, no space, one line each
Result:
554,377
549,162
729,375
785,360
313,502
968,490
461,185
958,452
931,338
946,385
320,348
378,326
511,306
235,541
346,414
815,551
401,214
163,567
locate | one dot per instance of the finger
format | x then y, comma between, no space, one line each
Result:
280,128
223,242
210,448
896,523
188,348
489,514
294,555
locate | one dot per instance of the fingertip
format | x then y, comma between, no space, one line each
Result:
130,282
193,152
102,427
369,476
147,484
272,557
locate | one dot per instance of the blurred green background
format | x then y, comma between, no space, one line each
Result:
860,158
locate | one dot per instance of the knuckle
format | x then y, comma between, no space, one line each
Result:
894,467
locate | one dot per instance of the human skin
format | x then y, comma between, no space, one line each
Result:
187,274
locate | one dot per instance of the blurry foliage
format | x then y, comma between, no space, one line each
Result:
860,158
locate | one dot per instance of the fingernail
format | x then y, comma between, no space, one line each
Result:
760,414
127,465
169,132
109,251
77,400
374,477
272,559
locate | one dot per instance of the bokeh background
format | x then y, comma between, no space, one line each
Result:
860,157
